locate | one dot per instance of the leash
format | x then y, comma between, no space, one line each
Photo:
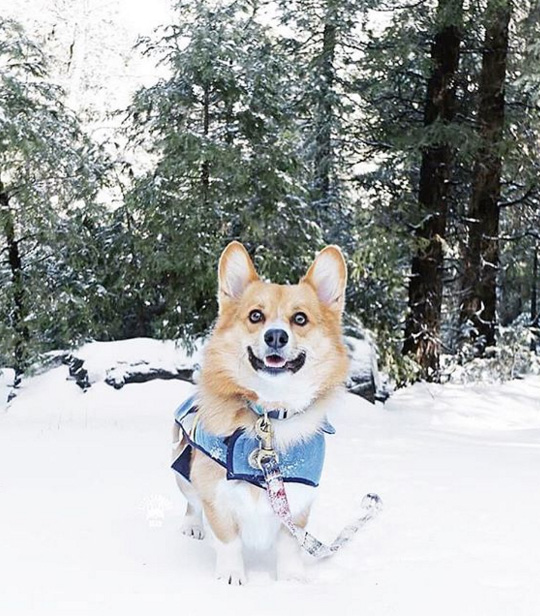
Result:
266,459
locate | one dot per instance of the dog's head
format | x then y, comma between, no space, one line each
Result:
282,343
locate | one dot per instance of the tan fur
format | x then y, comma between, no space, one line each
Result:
222,389
223,398
205,475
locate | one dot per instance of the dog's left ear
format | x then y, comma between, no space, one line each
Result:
235,272
328,276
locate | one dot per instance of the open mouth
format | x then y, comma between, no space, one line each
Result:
275,364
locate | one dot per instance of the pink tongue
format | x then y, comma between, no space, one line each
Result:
274,361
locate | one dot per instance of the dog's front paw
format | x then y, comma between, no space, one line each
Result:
230,563
289,563
292,572
233,578
193,528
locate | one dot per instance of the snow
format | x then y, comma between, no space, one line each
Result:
363,367
6,382
114,359
90,515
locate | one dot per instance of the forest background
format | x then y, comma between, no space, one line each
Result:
406,132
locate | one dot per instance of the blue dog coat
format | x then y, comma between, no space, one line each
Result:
301,463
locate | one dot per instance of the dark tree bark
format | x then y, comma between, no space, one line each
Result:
422,330
534,286
19,312
479,283
205,167
323,160
535,317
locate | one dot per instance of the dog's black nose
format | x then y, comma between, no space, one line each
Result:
276,338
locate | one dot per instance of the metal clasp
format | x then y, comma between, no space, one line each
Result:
265,435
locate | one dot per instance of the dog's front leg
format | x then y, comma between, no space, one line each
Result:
289,563
228,545
193,524
230,562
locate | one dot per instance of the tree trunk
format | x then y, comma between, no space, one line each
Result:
323,161
479,283
205,167
534,286
422,330
535,321
19,312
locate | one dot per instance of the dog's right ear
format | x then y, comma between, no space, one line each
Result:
235,272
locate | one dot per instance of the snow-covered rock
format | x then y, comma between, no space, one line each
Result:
364,379
132,361
7,377
143,359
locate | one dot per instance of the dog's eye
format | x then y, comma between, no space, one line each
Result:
299,318
256,316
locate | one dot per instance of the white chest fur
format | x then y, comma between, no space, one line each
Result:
294,391
251,509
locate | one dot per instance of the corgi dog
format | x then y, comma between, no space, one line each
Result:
274,347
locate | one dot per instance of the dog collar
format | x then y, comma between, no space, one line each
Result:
278,413
259,410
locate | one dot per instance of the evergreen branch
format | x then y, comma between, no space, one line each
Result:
521,199
519,236
403,7
18,188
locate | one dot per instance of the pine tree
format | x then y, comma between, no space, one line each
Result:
48,170
412,96
326,41
226,163
519,207
322,37
423,329
479,282
395,87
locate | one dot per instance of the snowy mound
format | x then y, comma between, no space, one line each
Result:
90,517
142,359
475,407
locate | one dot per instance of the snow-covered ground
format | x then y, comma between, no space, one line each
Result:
90,515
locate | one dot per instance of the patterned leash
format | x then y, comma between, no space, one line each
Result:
265,458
